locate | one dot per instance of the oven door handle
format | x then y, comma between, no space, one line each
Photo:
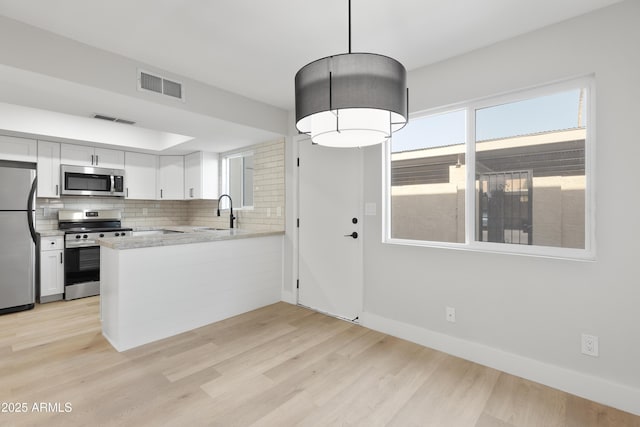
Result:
83,244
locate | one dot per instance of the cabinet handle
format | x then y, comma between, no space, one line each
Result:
191,193
56,189
60,257
92,156
161,193
127,191
96,160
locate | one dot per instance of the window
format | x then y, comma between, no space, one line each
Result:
526,157
428,179
237,172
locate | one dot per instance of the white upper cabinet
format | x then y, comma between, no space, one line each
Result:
170,178
140,175
201,176
18,149
80,155
112,159
48,169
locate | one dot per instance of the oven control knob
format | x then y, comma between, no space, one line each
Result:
85,236
101,235
121,234
77,236
117,234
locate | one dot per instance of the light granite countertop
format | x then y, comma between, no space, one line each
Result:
50,233
185,235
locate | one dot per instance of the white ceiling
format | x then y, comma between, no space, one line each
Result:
254,48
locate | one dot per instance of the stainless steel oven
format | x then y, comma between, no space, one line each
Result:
81,268
81,250
90,181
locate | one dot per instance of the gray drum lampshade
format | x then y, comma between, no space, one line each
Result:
351,99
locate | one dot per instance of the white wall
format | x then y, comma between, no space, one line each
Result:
525,314
38,51
290,246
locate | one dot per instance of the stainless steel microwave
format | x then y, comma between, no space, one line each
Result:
90,181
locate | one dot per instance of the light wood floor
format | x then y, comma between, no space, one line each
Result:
278,366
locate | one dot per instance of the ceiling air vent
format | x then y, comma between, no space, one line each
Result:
113,119
153,83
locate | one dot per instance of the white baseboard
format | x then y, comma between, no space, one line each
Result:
587,386
289,297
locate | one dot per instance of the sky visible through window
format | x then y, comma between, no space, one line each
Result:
545,113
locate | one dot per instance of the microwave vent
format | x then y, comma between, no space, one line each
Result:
161,85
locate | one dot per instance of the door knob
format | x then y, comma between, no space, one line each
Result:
354,235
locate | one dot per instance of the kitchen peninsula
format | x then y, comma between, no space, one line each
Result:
157,286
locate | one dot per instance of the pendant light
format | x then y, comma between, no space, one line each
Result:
351,99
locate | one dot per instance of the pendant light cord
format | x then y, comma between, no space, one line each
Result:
349,26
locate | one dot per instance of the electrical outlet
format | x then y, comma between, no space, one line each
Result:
590,345
451,314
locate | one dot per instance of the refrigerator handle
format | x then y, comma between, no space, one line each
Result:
30,210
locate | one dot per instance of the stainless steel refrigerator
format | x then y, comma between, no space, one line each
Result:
17,236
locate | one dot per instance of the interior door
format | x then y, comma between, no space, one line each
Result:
330,231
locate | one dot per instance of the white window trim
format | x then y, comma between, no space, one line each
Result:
225,178
586,254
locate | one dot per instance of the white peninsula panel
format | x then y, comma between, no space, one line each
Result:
150,293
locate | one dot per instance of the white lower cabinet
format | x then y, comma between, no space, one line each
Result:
51,269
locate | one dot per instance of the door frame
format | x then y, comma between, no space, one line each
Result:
296,249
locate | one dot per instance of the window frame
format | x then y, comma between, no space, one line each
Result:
225,180
470,244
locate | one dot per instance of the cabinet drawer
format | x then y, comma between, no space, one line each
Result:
53,243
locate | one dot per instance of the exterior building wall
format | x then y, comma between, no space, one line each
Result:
436,212
427,212
558,211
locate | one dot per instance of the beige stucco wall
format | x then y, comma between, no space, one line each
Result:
435,212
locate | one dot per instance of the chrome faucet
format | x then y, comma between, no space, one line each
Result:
231,217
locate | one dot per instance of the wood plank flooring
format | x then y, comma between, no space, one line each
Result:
281,365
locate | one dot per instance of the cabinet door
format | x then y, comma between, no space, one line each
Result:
18,149
51,273
201,176
48,169
111,159
140,175
192,176
79,155
171,178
